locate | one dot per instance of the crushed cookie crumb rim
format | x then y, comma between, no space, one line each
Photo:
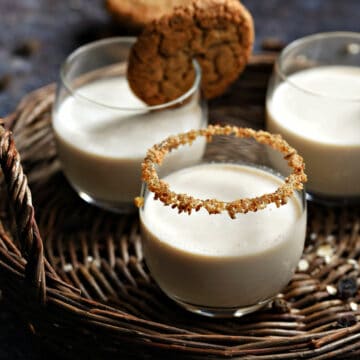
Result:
186,203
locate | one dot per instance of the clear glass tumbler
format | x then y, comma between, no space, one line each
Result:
102,130
313,100
215,264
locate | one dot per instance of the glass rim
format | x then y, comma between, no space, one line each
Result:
126,40
304,41
300,193
186,203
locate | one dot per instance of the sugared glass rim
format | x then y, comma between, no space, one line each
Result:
306,41
126,40
187,203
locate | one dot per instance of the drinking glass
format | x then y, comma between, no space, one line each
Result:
215,264
102,130
313,101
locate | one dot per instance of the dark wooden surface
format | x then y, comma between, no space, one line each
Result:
37,35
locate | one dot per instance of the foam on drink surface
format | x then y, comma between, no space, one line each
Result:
219,235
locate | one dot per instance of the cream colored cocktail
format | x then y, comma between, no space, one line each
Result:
101,147
214,261
102,130
318,112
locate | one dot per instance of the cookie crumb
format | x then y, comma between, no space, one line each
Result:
353,306
303,265
139,201
325,251
331,289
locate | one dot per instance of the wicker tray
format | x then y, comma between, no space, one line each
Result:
83,286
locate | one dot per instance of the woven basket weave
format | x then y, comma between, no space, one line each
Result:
82,285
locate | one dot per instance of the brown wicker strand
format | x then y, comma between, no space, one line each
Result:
100,299
28,232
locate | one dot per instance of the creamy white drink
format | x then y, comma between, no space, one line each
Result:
216,261
101,146
318,112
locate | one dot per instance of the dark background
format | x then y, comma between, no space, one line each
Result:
37,35
59,26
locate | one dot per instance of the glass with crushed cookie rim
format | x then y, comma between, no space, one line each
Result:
102,130
230,263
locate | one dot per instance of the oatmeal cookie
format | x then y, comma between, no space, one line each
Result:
219,34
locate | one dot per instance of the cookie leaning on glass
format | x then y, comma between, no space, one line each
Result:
219,34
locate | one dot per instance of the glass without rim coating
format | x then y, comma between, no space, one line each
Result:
313,101
102,130
214,265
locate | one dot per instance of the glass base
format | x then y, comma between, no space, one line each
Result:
332,200
116,207
218,312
